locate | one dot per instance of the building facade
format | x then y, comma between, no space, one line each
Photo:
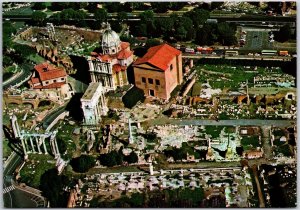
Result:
109,67
93,104
50,82
159,71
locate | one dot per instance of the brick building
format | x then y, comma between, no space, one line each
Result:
159,71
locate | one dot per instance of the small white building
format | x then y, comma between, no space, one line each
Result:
93,104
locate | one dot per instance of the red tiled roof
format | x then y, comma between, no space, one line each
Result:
124,45
117,68
123,54
105,58
51,86
35,80
48,72
159,56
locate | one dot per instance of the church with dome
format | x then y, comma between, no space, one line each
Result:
110,66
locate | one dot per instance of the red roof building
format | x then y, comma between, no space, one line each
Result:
46,76
159,71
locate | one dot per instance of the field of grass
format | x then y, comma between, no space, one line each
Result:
36,58
33,170
224,76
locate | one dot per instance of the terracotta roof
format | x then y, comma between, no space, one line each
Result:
124,45
123,54
35,80
116,68
105,58
159,56
48,72
51,86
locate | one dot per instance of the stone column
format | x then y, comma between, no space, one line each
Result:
26,145
45,148
31,143
24,148
130,132
56,147
52,147
38,143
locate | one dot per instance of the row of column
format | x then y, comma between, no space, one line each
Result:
29,147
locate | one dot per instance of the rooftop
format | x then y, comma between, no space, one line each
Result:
48,72
159,56
91,90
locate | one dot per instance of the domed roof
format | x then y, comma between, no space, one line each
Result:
110,38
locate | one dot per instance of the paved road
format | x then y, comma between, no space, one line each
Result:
237,122
14,197
18,79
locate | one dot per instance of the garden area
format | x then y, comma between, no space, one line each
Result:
35,167
225,76
250,142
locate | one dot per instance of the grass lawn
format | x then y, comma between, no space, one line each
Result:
231,77
36,58
33,170
6,149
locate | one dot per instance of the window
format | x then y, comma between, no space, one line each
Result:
54,80
171,67
143,80
62,79
157,82
46,82
150,81
113,51
151,92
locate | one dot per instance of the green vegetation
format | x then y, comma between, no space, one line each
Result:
32,171
229,129
6,149
112,159
222,76
283,149
83,163
250,142
188,198
213,130
52,186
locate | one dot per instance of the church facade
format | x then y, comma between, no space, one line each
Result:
109,67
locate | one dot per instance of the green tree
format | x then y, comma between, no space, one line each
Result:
83,163
226,35
122,16
147,16
152,42
198,16
206,35
284,34
164,26
160,7
111,159
101,15
38,18
39,6
181,33
51,185
131,158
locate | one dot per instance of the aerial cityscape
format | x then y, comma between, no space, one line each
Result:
149,104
